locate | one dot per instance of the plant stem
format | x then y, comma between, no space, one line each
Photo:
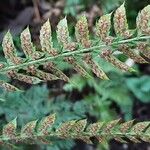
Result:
70,53
72,135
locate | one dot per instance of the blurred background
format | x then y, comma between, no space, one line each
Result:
125,96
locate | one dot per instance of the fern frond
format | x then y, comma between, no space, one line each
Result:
120,22
45,131
65,41
143,21
8,86
26,43
131,54
40,65
144,48
24,78
10,50
107,55
103,27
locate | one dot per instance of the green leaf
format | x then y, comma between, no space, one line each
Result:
9,130
140,88
79,126
46,124
29,129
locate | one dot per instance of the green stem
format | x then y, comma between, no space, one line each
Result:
74,135
68,53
